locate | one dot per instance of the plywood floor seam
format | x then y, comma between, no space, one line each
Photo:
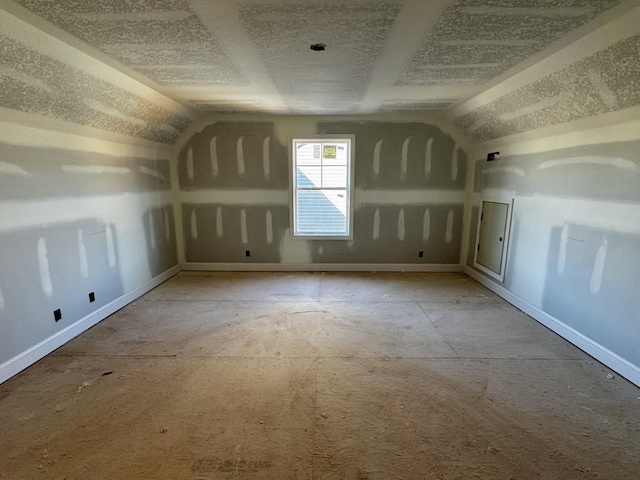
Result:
319,376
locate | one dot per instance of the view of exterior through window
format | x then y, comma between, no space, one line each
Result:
322,187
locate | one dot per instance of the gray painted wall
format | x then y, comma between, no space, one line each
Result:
72,221
575,244
409,179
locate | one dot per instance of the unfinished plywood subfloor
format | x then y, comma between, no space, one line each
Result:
319,376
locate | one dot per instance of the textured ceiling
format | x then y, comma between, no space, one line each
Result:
381,56
604,82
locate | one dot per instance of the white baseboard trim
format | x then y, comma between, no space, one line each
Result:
30,356
612,360
321,267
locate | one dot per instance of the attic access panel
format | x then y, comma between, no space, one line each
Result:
494,226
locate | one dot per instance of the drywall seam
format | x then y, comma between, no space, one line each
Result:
18,214
620,126
177,209
625,368
21,128
468,211
323,267
23,26
287,124
617,30
30,356
281,197
404,39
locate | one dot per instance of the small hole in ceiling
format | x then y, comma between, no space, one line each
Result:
318,47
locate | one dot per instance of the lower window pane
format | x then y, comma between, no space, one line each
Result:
321,212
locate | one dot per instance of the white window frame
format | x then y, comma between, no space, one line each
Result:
351,139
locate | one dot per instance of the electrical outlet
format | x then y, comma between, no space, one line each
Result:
92,297
420,254
247,253
57,315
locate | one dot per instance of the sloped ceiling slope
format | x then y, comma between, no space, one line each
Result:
381,56
604,82
42,77
35,83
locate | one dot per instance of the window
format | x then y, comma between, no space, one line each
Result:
322,187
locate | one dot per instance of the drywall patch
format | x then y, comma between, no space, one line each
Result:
80,98
401,227
426,225
219,223
454,163
562,249
269,227
7,168
235,155
111,247
598,267
45,273
607,81
190,171
404,158
376,224
386,150
266,158
82,254
240,156
167,226
194,224
244,238
152,172
388,247
237,228
428,158
448,236
597,294
41,273
375,167
213,155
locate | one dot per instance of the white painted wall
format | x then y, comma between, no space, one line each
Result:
77,214
575,240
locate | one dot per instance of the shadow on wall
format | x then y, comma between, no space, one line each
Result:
592,285
473,234
49,268
223,233
598,172
234,155
403,155
39,173
159,228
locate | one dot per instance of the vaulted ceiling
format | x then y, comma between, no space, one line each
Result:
381,55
